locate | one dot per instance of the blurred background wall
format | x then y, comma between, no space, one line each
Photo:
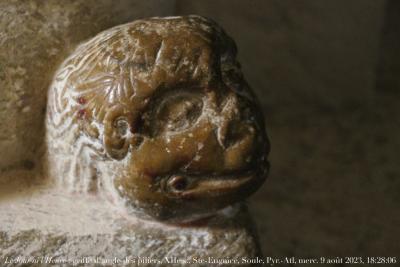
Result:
302,52
327,75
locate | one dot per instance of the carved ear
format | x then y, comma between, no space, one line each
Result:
117,133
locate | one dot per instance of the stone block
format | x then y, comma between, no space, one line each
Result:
38,222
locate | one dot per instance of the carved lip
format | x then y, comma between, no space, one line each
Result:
186,186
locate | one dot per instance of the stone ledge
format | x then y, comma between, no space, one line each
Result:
41,222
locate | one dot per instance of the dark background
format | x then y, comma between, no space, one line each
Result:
328,75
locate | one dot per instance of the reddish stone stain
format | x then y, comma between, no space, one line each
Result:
150,174
81,100
81,113
197,223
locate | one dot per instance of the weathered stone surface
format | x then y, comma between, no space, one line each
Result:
38,222
35,37
157,114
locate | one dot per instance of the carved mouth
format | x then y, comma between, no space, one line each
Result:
198,186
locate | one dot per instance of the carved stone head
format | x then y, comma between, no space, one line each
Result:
156,114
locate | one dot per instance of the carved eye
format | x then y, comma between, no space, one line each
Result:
178,112
177,183
116,132
121,126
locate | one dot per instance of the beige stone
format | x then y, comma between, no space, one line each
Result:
39,222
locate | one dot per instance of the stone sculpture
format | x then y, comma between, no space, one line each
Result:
155,116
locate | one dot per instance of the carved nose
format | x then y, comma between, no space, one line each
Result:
225,133
234,131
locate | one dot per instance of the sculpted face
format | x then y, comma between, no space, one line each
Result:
181,133
195,150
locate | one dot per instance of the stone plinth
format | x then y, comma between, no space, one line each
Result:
38,221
